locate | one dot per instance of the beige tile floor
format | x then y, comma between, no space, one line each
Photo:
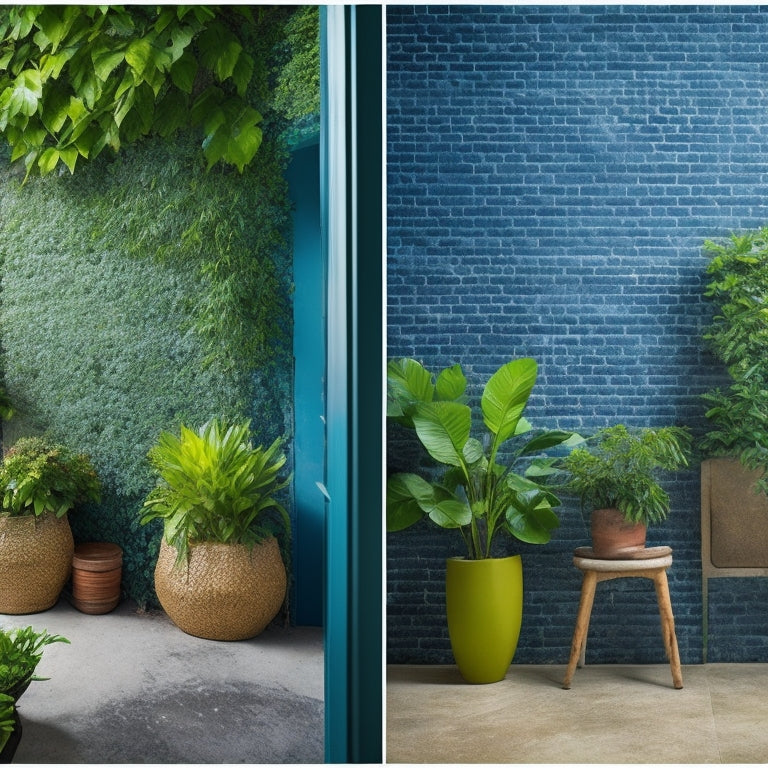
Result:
611,714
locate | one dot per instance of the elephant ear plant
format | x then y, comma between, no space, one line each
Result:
479,492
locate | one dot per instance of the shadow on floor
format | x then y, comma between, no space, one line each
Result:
132,688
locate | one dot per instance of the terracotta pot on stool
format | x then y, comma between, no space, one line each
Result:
613,536
97,569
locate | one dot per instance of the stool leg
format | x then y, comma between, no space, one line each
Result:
668,627
582,624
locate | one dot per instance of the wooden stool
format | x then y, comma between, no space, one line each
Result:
650,563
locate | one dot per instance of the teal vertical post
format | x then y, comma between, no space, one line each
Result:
351,203
309,386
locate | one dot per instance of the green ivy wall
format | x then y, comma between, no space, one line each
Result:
138,293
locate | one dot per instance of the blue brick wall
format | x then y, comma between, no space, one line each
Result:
552,174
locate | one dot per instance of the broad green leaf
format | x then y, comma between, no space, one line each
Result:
546,440
403,493
184,71
69,155
473,451
106,61
138,55
443,428
450,513
55,110
242,73
506,395
48,160
27,90
531,519
451,383
407,493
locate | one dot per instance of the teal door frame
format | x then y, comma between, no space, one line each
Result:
351,162
309,279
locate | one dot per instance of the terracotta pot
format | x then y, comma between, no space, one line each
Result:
35,562
224,591
613,536
97,569
484,606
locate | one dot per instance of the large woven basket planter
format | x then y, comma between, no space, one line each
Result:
35,562
225,591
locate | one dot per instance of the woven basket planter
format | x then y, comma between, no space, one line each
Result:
35,562
225,591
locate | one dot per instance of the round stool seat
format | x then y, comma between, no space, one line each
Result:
617,566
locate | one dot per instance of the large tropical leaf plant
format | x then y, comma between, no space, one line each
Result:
216,486
479,491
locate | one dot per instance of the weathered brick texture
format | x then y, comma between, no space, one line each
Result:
552,173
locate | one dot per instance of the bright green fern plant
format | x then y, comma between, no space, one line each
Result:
618,468
215,486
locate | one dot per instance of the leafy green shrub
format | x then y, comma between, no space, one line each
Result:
215,486
39,476
738,337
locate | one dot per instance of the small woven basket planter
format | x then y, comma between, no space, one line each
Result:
35,562
225,591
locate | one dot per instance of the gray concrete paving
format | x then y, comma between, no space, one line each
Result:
612,714
133,688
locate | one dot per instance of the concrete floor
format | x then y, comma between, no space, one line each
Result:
133,688
611,714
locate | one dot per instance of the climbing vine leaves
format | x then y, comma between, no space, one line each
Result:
77,79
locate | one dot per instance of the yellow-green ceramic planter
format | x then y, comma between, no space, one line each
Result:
484,604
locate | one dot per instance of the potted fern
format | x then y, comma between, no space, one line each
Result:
220,573
615,474
480,491
40,483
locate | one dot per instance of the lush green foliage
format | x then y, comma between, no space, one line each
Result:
20,652
476,493
7,722
617,468
215,486
738,336
39,476
297,90
76,79
142,292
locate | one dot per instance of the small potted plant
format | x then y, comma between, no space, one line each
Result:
40,482
615,474
21,650
479,490
220,574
